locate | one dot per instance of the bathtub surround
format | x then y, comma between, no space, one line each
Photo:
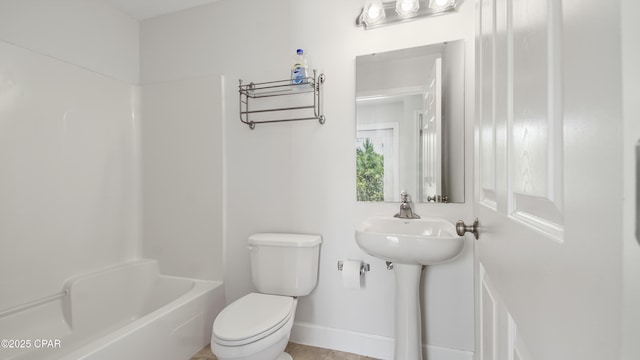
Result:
68,148
89,34
71,159
68,184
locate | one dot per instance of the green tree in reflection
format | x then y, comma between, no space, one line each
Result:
369,173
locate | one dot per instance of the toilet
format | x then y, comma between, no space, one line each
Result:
257,326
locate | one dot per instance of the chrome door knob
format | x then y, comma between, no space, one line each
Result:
461,228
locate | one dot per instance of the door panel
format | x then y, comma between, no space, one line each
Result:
485,40
431,135
499,333
535,158
631,86
548,200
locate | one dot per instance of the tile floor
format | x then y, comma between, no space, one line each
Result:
299,352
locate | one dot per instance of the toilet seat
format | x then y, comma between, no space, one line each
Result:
251,318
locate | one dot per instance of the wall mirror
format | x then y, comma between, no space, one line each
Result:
410,124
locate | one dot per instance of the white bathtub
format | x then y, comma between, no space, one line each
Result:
129,311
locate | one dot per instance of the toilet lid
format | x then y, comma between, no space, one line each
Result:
251,318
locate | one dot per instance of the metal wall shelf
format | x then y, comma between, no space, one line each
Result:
300,94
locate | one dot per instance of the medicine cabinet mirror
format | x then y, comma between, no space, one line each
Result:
410,124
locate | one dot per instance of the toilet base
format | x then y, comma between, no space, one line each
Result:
285,356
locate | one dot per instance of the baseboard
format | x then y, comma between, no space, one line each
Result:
342,340
379,347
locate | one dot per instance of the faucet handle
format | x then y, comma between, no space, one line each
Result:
404,197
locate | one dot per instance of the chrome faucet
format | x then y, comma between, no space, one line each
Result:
405,208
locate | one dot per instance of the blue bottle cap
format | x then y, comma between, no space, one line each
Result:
299,51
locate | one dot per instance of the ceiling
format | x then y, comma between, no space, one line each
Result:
144,9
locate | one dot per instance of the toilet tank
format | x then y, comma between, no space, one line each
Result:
284,264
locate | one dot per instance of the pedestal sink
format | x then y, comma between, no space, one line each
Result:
409,244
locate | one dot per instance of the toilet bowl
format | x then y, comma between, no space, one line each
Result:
258,325
254,327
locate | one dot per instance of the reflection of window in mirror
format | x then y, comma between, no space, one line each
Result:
393,121
376,149
369,171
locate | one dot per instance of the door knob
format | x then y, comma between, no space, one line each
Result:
461,228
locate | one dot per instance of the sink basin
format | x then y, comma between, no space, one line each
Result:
426,241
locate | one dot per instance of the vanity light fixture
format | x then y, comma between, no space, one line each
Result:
377,13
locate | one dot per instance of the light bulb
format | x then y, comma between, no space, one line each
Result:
440,4
405,7
374,11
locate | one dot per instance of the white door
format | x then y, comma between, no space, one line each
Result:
431,135
631,94
548,179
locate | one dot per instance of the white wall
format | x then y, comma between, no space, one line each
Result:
181,185
300,176
86,33
399,73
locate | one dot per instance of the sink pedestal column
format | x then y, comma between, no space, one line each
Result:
408,324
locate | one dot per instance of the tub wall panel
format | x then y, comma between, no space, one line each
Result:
67,158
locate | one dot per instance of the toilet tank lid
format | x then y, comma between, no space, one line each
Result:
285,239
